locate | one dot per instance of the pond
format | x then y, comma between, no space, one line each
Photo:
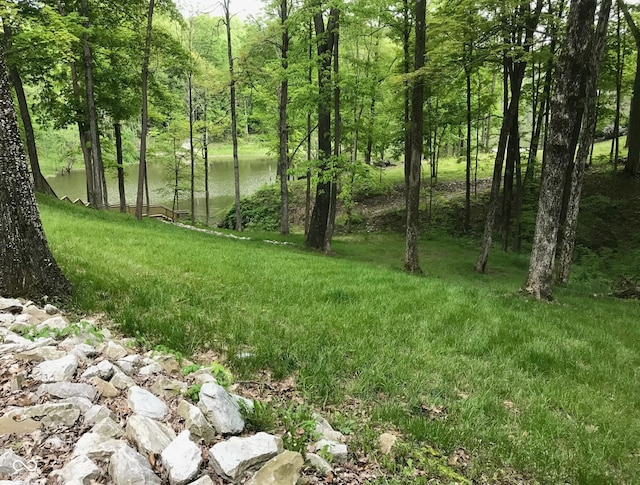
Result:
254,173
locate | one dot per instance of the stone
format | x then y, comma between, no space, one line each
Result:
203,376
149,435
103,370
125,367
150,369
133,359
114,351
40,354
84,352
205,480
81,403
53,414
57,370
50,309
321,465
10,463
143,402
108,428
182,458
64,390
105,389
283,469
127,467
17,381
97,413
195,422
10,305
54,323
7,319
96,447
55,443
169,364
387,442
122,381
41,342
233,457
18,327
338,451
79,471
13,338
8,425
243,403
324,429
220,409
35,315
169,388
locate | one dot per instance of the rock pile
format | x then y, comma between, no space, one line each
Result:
80,406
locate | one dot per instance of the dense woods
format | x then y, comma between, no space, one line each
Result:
354,84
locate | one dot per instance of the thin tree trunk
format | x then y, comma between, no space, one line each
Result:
566,116
192,156
120,162
567,233
234,118
28,268
467,199
411,261
307,205
615,141
406,34
96,151
205,149
283,160
142,169
82,134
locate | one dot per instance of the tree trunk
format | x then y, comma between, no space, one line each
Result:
283,160
406,34
615,142
28,268
569,223
411,261
120,162
205,150
82,134
92,115
142,169
307,204
566,116
40,183
234,117
467,199
192,156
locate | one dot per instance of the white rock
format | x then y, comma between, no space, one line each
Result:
283,469
324,429
97,413
233,457
82,403
182,458
7,319
79,471
149,435
108,428
8,305
127,467
122,381
243,403
41,342
58,370
13,338
83,352
96,447
143,402
195,422
55,442
10,463
319,463
337,450
53,414
54,323
134,359
68,389
103,370
114,351
150,369
205,480
220,409
126,367
50,309
47,352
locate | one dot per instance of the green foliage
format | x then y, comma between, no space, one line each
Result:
260,211
163,349
190,369
299,427
222,375
263,417
71,330
193,392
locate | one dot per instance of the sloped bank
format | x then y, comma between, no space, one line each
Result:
82,406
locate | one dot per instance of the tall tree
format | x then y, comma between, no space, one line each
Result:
283,158
567,109
412,174
28,268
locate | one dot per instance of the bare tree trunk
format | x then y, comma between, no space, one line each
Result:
142,169
96,151
205,150
411,261
192,156
28,268
406,34
569,223
283,160
467,199
120,162
234,117
615,142
82,134
566,117
307,205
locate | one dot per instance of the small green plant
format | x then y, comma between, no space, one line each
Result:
299,425
190,369
163,349
263,416
222,374
193,392
71,330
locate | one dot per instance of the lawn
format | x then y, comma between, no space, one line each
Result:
548,390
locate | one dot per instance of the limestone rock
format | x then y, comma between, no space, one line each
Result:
103,370
40,354
50,309
83,352
169,364
324,429
53,414
205,480
97,413
10,305
114,351
150,369
127,467
7,319
387,442
58,370
143,402
168,388
54,323
244,403
82,403
64,390
121,381
233,457
125,367
319,463
149,435
96,447
79,471
337,450
105,389
10,463
195,422
13,338
220,409
8,425
108,428
283,469
182,458
203,376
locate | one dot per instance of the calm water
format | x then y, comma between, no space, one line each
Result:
254,173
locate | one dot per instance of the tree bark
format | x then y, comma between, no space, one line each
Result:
569,221
411,261
283,160
566,116
192,156
205,150
142,169
28,268
82,133
117,128
467,198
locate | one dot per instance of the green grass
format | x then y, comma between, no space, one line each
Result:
354,324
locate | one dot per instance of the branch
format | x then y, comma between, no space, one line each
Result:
632,25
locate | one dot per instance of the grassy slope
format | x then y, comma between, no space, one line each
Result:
355,325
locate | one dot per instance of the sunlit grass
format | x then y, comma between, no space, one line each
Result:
547,389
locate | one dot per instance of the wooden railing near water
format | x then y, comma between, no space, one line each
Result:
157,211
